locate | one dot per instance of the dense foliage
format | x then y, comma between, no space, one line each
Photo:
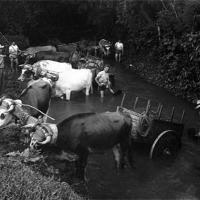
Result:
165,30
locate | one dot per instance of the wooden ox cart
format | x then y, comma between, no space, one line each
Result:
161,138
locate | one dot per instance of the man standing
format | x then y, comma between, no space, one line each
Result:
1,68
103,81
13,55
119,50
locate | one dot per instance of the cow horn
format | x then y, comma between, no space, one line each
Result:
28,126
48,140
1,99
11,108
22,65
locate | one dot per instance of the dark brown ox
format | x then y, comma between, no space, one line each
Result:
71,47
29,53
86,132
37,94
55,56
69,57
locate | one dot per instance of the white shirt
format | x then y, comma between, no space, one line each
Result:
13,49
119,46
103,77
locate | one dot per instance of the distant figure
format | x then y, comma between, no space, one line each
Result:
103,81
104,46
119,50
13,55
1,68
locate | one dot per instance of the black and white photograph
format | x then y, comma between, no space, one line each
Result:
99,99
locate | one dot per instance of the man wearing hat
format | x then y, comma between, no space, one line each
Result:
1,68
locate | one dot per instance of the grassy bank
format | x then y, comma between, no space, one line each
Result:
18,181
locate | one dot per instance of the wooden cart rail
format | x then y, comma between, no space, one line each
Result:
148,110
161,138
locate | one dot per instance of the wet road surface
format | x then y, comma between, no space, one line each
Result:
149,180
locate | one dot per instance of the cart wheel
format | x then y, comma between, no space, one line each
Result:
165,146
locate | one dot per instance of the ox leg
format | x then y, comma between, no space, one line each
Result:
68,94
116,154
126,151
81,163
87,90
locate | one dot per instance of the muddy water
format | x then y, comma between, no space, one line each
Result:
175,180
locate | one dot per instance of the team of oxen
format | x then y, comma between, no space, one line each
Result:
79,134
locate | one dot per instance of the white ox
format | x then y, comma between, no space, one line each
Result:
73,80
44,66
68,79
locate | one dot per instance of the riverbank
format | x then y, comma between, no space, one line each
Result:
152,71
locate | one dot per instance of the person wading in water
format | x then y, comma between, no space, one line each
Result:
103,81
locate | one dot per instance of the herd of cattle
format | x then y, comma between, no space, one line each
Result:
80,133
66,67
71,52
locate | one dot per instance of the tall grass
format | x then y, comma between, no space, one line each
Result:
19,182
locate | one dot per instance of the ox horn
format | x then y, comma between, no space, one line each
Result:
1,99
11,103
28,126
48,140
11,108
22,65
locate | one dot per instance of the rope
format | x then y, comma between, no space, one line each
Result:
27,105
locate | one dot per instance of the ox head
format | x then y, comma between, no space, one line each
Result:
7,107
38,136
27,71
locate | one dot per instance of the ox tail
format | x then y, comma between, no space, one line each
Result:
129,140
130,153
